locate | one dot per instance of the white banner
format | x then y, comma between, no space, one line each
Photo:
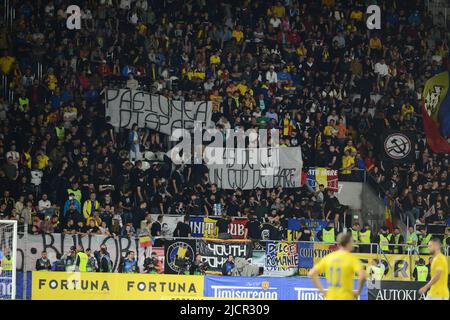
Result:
274,167
169,224
156,112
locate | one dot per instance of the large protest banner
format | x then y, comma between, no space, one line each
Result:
276,167
126,107
216,252
29,247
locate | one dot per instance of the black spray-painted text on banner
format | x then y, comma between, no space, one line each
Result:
156,112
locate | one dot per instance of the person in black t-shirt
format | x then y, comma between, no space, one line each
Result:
156,231
253,228
222,226
183,230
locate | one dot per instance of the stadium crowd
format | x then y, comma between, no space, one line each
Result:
311,69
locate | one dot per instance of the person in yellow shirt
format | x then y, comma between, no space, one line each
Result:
356,15
350,147
237,34
278,10
348,162
242,87
375,43
215,58
438,284
340,268
6,63
407,108
42,159
330,129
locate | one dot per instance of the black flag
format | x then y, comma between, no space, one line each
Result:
398,146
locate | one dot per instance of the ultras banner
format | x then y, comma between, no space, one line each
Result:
216,252
178,254
126,107
276,167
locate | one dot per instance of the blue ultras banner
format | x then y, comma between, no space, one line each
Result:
292,288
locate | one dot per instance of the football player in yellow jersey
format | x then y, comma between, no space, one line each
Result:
340,268
438,284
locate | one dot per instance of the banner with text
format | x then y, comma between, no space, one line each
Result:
126,107
296,288
284,170
323,176
216,252
29,247
114,286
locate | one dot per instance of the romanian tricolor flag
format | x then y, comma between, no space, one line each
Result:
327,177
145,241
436,112
388,205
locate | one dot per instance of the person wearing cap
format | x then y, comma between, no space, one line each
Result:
397,241
271,75
421,271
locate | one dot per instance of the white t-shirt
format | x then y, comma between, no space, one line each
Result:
36,177
275,22
44,204
381,69
271,76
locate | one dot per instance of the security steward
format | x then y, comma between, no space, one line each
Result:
7,262
376,270
397,241
424,238
446,240
327,234
355,236
383,239
81,260
365,239
421,271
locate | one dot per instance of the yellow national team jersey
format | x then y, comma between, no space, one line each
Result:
340,268
440,288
